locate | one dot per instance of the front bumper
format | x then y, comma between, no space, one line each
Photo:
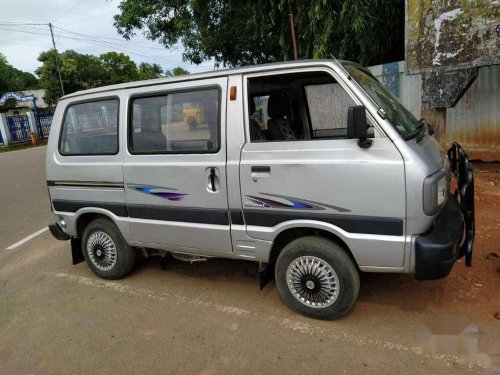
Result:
452,236
437,251
57,232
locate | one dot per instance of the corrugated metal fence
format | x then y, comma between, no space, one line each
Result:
474,121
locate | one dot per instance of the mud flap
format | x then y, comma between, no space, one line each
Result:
266,274
76,250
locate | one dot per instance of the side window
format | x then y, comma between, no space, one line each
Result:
90,129
297,106
182,122
328,106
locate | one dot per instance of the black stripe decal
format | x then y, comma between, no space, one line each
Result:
257,217
349,223
119,209
85,184
237,217
182,214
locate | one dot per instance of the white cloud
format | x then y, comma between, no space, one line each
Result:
91,17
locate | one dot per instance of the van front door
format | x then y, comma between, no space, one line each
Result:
304,171
175,170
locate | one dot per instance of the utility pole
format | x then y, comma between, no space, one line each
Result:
57,58
292,28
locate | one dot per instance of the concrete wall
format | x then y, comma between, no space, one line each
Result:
475,120
450,35
407,88
40,98
18,111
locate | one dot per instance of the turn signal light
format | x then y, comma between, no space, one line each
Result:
232,93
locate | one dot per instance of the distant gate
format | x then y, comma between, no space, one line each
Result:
44,123
19,128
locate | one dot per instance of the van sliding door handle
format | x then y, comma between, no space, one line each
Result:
212,179
261,168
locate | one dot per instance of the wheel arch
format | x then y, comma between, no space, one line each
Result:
288,235
85,216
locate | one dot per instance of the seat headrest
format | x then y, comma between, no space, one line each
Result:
277,105
251,106
151,120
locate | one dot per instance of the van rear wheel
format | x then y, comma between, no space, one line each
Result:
105,250
316,278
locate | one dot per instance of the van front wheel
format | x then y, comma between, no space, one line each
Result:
317,278
105,251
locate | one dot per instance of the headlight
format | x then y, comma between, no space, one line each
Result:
435,191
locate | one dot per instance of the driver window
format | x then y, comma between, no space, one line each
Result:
297,106
328,110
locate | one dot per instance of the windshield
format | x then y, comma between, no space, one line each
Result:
407,125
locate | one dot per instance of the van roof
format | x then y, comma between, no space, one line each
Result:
203,75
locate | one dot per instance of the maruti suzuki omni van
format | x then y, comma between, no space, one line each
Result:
310,168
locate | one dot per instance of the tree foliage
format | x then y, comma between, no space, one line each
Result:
12,79
236,32
81,72
178,71
148,71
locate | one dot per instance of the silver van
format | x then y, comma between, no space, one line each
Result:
310,168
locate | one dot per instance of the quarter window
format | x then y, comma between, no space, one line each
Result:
90,129
183,122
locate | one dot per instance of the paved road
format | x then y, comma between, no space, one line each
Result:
24,199
207,318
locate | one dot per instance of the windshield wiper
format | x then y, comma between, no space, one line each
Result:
420,132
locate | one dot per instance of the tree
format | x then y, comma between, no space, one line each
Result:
177,71
81,72
78,72
149,71
12,79
235,32
118,68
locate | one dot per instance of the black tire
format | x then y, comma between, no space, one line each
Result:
125,256
337,259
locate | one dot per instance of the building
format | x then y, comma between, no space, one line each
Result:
22,108
451,71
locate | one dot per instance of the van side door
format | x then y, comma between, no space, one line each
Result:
175,167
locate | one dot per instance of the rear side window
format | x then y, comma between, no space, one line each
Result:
90,129
179,122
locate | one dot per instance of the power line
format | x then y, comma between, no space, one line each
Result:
90,38
111,43
114,40
24,44
21,24
78,3
25,31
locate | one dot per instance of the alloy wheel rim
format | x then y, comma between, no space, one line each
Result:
313,282
102,251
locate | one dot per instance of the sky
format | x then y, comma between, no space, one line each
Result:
21,44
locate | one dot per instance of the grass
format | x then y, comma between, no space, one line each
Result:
22,146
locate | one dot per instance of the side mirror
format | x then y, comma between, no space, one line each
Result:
357,126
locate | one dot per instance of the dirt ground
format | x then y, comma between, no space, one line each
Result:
475,289
211,318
